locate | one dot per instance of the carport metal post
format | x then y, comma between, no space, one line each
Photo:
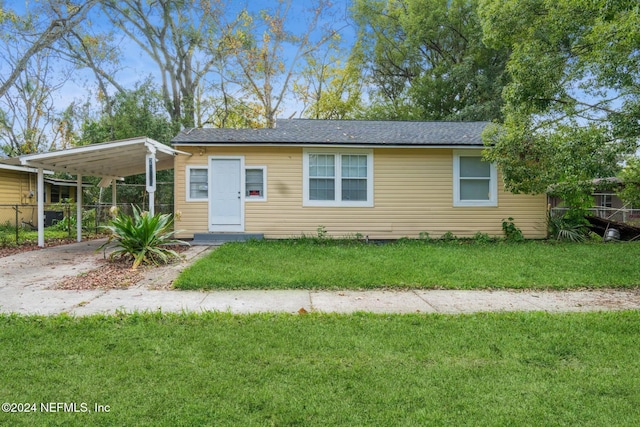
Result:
79,208
113,193
40,189
151,178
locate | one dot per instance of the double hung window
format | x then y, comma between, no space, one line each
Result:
197,183
255,178
337,178
474,181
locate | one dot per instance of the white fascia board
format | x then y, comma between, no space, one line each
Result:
26,159
336,145
24,169
158,146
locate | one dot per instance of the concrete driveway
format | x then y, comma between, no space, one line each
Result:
44,267
26,280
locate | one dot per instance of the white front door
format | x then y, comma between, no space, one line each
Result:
226,198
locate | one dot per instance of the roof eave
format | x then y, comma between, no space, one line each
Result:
320,144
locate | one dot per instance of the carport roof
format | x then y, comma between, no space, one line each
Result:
113,159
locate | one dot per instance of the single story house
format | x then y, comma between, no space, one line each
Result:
379,179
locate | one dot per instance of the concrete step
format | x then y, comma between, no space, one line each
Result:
216,239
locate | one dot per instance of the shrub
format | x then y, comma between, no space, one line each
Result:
322,232
567,228
424,235
511,232
482,238
142,237
448,237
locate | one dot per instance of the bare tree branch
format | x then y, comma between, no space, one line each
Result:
56,29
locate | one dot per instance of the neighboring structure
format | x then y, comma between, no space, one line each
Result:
606,202
18,187
379,179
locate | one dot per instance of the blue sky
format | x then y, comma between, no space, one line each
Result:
136,65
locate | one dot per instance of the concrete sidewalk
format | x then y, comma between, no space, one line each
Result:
25,280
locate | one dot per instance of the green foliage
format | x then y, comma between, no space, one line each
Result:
138,112
135,113
330,89
629,192
426,60
30,237
7,240
142,237
572,104
483,238
511,232
424,235
567,227
68,222
448,237
321,232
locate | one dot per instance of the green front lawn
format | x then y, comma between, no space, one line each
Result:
219,369
308,264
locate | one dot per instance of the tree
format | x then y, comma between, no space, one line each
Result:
172,33
137,112
28,121
425,59
256,43
630,175
571,107
98,53
330,88
28,35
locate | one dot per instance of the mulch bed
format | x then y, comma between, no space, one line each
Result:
116,274
112,274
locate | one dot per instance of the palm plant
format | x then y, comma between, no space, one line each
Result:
142,237
566,228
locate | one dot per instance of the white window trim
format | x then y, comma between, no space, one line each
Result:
493,182
188,181
262,198
338,188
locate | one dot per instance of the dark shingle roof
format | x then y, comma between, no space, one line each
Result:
343,132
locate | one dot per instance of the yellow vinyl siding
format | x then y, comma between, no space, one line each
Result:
413,193
47,189
15,187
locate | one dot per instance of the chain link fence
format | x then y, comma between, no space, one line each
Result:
18,222
624,215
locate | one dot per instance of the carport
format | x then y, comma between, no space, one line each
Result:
110,161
